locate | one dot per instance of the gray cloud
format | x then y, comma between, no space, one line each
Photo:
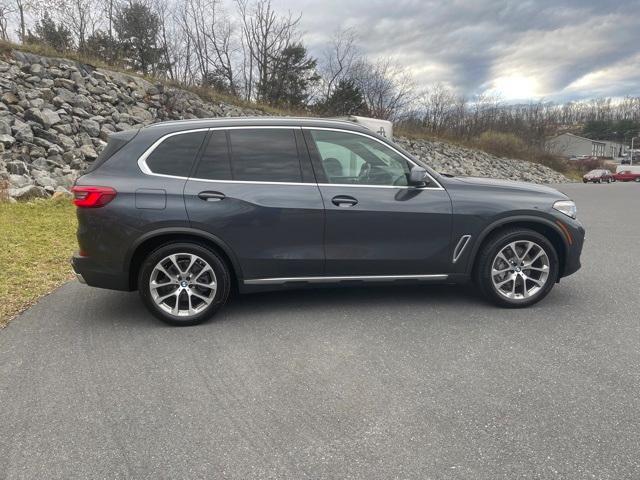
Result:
557,50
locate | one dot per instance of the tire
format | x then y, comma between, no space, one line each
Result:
530,285
181,264
584,181
637,179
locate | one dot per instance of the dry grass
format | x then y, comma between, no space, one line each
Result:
37,239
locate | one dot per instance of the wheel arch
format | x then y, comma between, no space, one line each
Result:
152,240
543,226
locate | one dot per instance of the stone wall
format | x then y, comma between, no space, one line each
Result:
56,115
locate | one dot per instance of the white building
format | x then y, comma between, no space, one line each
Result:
570,145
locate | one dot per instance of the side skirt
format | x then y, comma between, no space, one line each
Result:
350,278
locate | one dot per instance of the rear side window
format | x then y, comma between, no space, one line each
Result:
215,163
175,155
265,155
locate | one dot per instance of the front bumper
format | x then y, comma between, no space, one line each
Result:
89,273
574,247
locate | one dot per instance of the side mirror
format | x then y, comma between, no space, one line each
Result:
418,177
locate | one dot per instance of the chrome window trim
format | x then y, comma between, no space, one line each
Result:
362,134
332,279
142,160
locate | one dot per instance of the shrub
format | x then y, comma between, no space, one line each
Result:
502,144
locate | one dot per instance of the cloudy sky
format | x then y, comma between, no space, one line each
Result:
546,49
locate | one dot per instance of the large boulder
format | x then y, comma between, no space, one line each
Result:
22,131
44,117
91,127
30,192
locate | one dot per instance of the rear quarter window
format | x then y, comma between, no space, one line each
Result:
114,144
176,154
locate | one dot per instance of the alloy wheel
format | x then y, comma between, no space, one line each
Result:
182,284
520,270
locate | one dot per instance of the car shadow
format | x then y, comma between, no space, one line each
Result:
127,308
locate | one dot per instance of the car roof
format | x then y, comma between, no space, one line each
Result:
179,125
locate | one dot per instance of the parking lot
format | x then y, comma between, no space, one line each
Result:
382,382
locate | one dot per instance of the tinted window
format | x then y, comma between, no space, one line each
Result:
355,159
266,155
116,142
215,163
175,155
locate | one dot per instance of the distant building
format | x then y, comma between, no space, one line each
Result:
570,145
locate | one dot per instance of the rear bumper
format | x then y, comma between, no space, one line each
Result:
89,273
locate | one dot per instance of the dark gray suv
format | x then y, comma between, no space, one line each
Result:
187,211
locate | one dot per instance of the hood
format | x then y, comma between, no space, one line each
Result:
511,185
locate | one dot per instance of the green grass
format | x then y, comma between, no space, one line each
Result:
37,240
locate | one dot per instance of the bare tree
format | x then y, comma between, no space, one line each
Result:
210,32
388,90
338,59
82,18
110,7
439,106
6,11
265,35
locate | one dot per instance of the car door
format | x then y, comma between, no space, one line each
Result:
254,189
377,224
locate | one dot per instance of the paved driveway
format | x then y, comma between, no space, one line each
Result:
418,382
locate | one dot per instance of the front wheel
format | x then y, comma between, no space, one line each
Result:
516,268
184,283
637,179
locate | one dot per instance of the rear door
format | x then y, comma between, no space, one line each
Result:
254,189
376,224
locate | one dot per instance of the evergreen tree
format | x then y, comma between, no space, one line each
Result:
52,34
292,75
103,47
137,28
346,99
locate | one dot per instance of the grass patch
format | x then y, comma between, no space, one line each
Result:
37,240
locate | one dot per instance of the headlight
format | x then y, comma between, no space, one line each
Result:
568,207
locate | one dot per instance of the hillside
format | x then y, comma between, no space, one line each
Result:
56,115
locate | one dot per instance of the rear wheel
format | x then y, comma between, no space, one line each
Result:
516,268
184,283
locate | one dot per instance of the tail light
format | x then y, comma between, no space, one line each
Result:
92,197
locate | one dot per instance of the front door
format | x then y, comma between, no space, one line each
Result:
253,190
376,224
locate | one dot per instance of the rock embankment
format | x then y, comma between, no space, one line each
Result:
56,116
452,159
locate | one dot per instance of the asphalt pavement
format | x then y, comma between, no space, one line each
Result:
362,383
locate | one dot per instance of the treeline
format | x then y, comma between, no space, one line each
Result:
443,113
247,49
242,47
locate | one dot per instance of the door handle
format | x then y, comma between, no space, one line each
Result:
344,201
211,196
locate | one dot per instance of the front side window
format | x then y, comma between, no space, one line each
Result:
348,158
265,155
175,155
